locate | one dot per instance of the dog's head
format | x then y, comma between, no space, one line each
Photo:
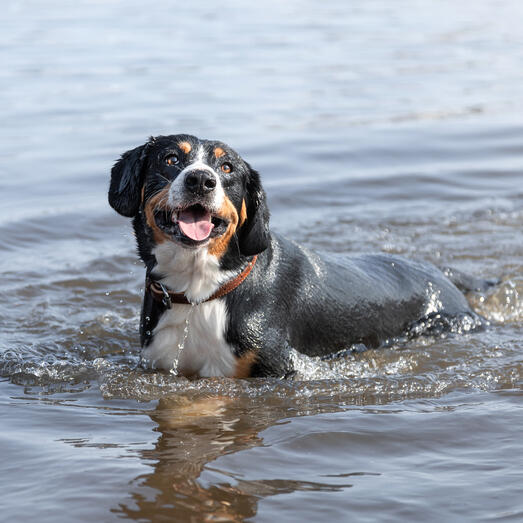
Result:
196,193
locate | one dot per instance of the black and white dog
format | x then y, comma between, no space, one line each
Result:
225,296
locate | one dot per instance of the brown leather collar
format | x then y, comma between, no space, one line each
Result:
160,293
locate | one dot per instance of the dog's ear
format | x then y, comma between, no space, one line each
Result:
127,181
253,236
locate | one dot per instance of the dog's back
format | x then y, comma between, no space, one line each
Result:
320,304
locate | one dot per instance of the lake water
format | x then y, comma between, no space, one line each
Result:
377,126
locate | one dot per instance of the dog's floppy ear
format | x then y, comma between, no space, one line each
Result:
253,236
127,180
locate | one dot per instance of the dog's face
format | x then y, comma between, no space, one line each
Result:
195,193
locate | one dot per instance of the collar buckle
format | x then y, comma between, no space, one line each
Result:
166,298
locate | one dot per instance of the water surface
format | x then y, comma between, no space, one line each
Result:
376,126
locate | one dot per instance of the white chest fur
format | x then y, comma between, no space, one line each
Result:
198,329
205,351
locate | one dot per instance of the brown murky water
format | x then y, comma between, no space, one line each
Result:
376,127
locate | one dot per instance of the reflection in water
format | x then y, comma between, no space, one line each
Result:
194,432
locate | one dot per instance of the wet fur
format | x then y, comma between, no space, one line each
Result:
294,300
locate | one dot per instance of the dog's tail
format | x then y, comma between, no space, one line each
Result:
467,283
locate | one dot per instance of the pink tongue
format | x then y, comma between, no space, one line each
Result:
196,224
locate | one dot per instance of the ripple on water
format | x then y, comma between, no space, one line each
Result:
77,326
102,352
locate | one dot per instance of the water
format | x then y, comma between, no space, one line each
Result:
376,127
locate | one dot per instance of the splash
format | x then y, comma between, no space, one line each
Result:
503,303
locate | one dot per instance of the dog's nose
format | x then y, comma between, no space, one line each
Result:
200,182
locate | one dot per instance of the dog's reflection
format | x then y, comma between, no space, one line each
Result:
194,431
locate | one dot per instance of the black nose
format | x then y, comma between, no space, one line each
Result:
200,182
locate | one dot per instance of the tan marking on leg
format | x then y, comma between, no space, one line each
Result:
143,193
158,201
218,152
218,246
243,213
244,364
185,147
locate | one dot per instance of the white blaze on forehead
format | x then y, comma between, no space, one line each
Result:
177,194
199,155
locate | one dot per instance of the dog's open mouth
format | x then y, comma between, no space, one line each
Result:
192,225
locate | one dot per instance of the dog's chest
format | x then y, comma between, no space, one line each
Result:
191,340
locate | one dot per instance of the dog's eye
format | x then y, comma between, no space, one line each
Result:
226,168
172,159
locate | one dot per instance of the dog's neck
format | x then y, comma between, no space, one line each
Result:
194,272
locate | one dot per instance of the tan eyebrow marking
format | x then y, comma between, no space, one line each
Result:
218,152
185,147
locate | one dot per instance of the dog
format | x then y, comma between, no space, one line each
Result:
226,296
